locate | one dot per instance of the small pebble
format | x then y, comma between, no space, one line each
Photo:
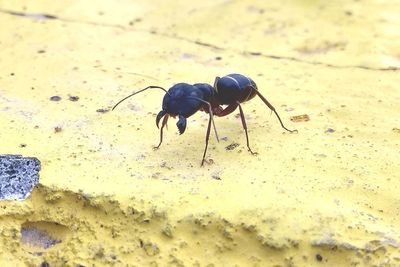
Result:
55,98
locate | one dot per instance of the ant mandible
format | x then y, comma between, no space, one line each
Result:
183,100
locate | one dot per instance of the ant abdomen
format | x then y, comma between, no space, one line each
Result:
234,87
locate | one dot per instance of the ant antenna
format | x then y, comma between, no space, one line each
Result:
148,87
272,110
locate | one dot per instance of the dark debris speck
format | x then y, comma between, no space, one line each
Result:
318,257
348,13
216,177
73,98
102,110
232,146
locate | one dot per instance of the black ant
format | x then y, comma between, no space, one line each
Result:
183,100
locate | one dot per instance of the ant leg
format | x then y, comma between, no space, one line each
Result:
207,138
273,109
159,116
228,110
209,112
232,107
212,120
245,129
164,122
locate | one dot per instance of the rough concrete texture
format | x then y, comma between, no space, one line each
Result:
326,196
18,176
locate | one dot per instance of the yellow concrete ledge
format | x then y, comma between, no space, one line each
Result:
325,196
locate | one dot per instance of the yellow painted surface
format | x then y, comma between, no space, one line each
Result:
316,198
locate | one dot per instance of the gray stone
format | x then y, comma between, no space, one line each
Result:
18,176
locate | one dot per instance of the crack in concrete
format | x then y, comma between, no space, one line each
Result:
38,16
43,16
392,68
